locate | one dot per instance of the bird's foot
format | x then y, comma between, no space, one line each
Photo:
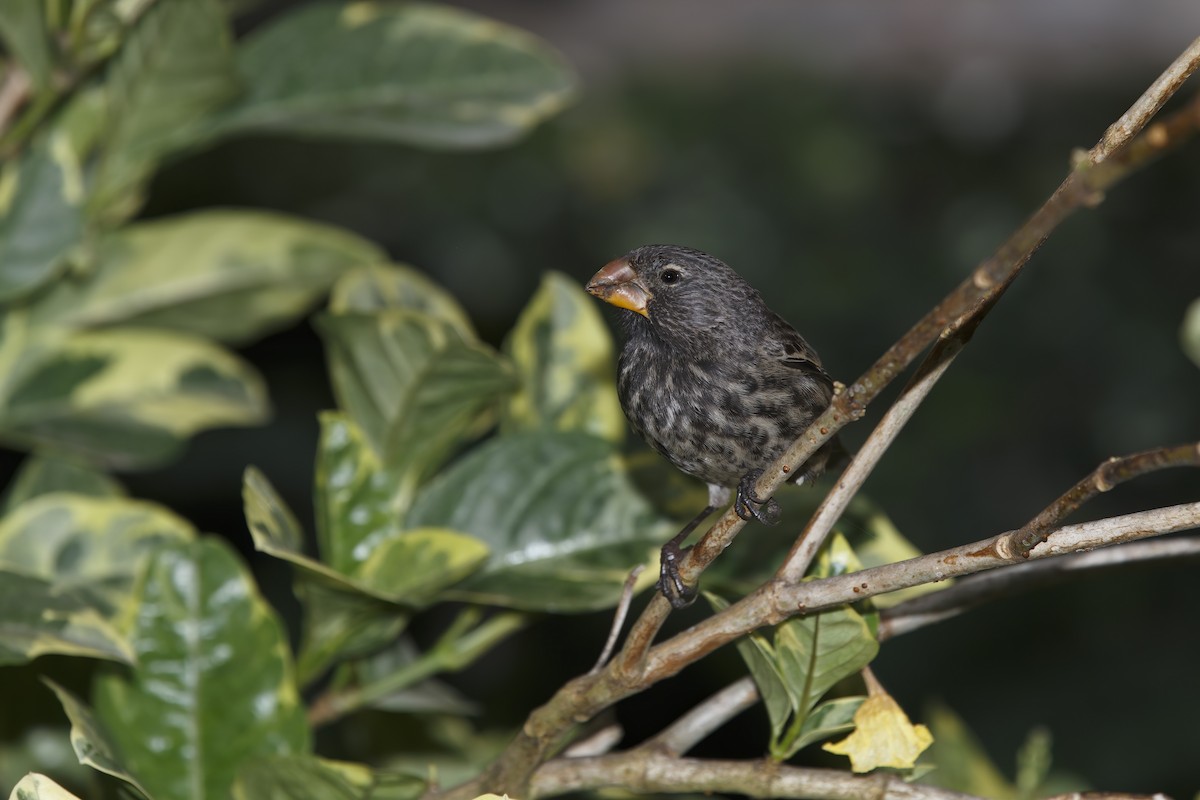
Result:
678,593
749,505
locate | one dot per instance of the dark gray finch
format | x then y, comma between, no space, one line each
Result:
712,379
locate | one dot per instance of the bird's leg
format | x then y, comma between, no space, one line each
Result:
679,594
749,505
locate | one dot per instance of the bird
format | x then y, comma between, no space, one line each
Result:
712,379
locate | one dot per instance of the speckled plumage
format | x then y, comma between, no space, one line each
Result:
711,378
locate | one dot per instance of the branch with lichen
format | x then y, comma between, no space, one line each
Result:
522,769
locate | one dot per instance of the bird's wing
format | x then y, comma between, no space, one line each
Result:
789,349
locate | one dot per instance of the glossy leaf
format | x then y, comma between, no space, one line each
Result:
1190,333
408,73
416,566
226,275
73,539
213,688
41,218
312,778
413,383
381,286
818,650
23,32
563,523
38,618
92,741
41,474
174,69
358,502
36,786
342,618
129,397
564,360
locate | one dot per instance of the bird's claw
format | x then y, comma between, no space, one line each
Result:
749,505
678,593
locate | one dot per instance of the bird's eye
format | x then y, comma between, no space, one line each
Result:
669,275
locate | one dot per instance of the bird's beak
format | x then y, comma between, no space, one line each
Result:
618,284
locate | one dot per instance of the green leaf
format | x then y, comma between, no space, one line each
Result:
93,743
381,286
828,719
419,697
213,688
23,30
407,73
559,514
98,544
342,619
358,524
36,786
413,383
355,496
38,618
129,397
416,566
44,474
312,778
877,541
226,275
818,650
761,659
41,218
1190,333
340,623
174,69
564,360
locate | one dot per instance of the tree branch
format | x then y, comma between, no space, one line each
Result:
977,589
646,771
694,727
1102,479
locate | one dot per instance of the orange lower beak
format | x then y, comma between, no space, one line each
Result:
617,284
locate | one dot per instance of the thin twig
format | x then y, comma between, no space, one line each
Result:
651,771
1133,120
1104,478
14,91
970,592
694,727
618,619
868,456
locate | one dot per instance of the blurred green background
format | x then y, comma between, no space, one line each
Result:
853,161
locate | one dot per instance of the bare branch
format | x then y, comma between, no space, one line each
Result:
977,589
649,771
868,456
694,727
777,601
618,619
1105,477
1133,120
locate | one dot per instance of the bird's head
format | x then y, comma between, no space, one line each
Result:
677,291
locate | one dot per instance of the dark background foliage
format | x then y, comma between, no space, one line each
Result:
853,197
